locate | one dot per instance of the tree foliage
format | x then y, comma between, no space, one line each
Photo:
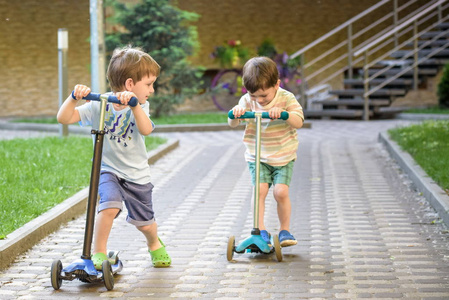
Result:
443,88
167,34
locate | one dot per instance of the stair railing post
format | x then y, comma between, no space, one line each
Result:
440,12
303,82
350,50
365,88
415,55
395,21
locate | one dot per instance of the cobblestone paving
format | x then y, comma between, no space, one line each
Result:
363,231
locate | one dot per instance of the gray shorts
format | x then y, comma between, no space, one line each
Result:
137,197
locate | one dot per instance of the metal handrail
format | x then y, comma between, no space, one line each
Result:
338,28
398,28
420,18
305,78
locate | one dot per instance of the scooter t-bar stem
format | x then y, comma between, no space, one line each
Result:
111,98
252,115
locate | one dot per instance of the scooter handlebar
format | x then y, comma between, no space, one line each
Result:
111,98
251,115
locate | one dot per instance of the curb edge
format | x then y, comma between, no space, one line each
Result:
25,237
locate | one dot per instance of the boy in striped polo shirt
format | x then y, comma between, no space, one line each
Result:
279,140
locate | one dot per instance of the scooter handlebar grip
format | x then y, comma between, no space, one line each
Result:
111,98
251,115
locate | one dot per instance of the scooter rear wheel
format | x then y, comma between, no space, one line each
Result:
231,246
277,248
108,277
56,280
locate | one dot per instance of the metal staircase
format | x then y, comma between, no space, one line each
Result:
377,64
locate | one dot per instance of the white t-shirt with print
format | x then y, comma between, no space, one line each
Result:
124,151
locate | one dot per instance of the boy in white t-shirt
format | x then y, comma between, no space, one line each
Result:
125,173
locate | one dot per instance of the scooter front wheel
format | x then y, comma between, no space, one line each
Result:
56,280
231,246
277,248
108,277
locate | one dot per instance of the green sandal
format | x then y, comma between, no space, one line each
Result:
160,257
98,259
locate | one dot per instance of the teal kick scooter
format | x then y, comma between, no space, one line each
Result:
255,243
83,268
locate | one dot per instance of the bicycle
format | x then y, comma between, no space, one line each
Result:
227,86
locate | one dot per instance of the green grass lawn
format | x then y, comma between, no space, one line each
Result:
202,118
428,144
432,110
36,174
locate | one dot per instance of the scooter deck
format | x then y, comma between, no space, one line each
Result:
84,269
254,243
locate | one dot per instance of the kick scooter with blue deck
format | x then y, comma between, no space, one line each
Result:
255,243
83,268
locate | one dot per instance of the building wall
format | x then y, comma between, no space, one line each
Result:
291,24
28,38
29,54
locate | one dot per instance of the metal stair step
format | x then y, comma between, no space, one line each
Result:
377,81
421,53
409,73
434,44
360,92
432,34
444,25
409,61
354,102
340,113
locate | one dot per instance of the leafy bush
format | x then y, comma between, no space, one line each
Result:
231,54
164,31
443,88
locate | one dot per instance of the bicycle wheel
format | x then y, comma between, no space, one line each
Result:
227,89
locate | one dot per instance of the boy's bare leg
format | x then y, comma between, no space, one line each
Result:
103,226
281,194
150,233
263,192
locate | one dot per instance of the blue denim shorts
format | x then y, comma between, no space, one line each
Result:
137,197
272,175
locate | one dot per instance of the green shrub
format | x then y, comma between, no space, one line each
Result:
443,88
166,33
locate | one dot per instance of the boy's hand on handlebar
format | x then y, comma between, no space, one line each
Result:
125,97
81,91
275,112
238,111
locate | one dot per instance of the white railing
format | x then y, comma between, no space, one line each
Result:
316,71
432,12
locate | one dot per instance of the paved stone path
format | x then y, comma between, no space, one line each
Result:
363,231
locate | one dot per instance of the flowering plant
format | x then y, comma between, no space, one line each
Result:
231,54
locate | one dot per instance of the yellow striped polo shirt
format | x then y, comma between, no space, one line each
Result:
279,139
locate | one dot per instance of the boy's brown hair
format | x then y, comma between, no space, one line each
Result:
259,73
129,62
